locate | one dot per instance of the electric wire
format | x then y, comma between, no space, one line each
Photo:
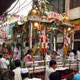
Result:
19,5
24,6
14,6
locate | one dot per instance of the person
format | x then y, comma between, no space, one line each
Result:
3,62
17,71
48,57
78,59
24,73
71,58
57,72
76,76
54,54
26,47
16,54
49,69
7,75
61,50
28,58
10,52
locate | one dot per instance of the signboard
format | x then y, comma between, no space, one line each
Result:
54,15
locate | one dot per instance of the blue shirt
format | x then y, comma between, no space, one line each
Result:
76,77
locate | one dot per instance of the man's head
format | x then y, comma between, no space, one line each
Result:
53,56
1,56
53,64
17,63
7,75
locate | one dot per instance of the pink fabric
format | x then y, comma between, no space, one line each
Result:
15,56
28,59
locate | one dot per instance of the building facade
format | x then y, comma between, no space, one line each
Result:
72,8
57,5
74,13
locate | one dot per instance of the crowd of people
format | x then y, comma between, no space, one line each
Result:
11,67
55,73
17,72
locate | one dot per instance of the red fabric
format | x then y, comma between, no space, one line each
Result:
43,78
67,76
10,52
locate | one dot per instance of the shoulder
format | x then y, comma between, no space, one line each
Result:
17,69
3,59
55,76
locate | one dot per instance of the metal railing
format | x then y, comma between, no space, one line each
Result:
38,66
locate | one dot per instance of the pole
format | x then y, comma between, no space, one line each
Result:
30,44
51,42
30,32
54,43
67,6
72,41
44,56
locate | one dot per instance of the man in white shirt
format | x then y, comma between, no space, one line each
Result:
48,72
19,72
58,72
49,69
53,69
3,62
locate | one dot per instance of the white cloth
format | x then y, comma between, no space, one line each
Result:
4,63
78,54
78,58
60,52
16,54
35,79
48,57
24,70
71,57
17,72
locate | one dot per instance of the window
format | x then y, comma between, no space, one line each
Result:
58,5
74,3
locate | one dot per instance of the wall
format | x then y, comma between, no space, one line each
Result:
74,13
